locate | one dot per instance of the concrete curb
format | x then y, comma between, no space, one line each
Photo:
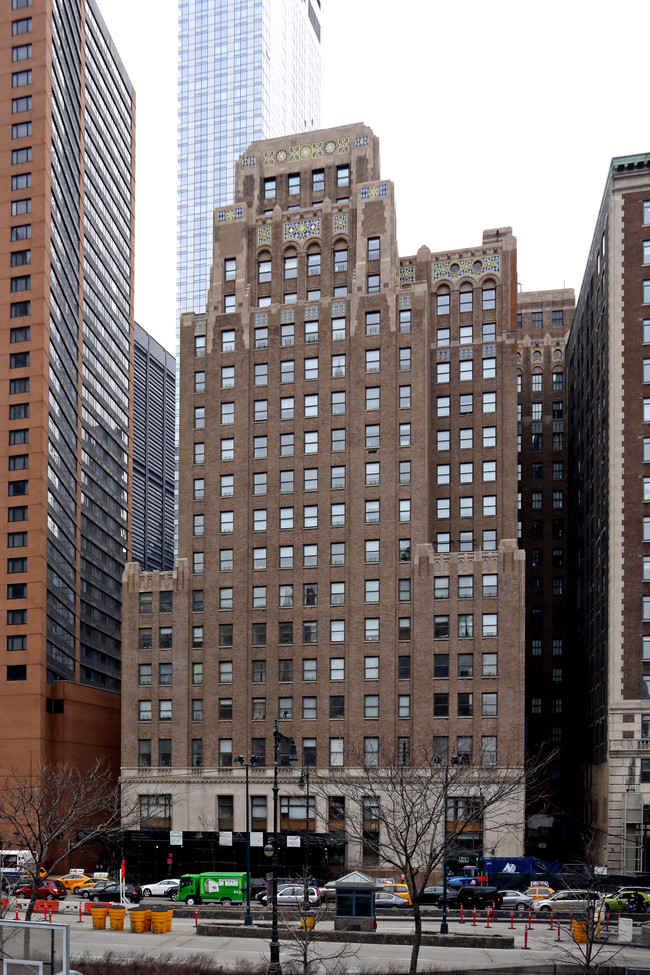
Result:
495,941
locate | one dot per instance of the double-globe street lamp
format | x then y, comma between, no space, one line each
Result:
248,920
271,850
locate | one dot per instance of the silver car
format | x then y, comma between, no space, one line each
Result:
293,894
564,900
516,900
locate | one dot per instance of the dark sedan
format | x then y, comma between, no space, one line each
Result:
96,888
465,897
111,893
431,895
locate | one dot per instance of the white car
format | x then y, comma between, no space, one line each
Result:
294,894
517,900
159,889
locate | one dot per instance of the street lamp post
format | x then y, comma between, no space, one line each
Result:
444,926
271,850
304,781
248,919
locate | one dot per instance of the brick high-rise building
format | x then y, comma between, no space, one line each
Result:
349,563
67,114
609,452
543,323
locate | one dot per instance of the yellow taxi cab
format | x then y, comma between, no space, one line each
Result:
75,882
541,890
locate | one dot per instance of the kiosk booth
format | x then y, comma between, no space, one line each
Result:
355,902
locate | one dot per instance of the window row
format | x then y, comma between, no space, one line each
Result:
488,299
488,370
307,631
466,507
309,481
294,808
165,601
487,401
337,441
288,518
537,442
287,555
284,707
465,623
487,470
317,178
466,442
487,332
465,586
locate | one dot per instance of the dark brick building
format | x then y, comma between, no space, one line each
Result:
349,563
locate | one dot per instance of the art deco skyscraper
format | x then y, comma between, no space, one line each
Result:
67,120
249,70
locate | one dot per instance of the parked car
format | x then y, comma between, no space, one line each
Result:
626,898
111,893
294,894
48,890
400,889
515,899
386,900
282,882
479,896
75,882
98,885
328,890
539,890
564,900
160,888
431,895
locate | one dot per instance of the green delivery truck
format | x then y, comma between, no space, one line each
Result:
227,888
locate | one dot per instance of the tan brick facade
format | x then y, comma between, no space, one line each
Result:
347,518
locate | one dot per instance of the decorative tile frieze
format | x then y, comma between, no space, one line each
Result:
302,230
263,235
407,274
475,266
233,213
340,223
368,192
309,150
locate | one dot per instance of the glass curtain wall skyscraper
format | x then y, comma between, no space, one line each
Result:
248,70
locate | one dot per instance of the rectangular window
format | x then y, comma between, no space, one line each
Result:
21,52
21,130
22,181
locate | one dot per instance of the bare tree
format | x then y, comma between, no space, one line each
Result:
46,807
411,810
302,942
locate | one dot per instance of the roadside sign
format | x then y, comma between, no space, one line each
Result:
176,837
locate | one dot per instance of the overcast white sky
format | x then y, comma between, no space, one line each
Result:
488,115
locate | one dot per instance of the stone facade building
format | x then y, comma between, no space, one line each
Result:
349,564
609,406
